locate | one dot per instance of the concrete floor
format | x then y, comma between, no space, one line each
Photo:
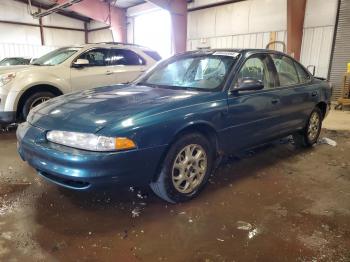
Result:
276,203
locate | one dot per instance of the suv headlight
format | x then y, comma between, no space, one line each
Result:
90,142
6,78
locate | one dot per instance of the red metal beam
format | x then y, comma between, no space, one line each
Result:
178,13
295,23
103,12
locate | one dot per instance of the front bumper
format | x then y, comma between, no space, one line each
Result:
8,117
80,169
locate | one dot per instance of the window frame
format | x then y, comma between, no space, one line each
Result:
294,62
88,50
144,61
270,65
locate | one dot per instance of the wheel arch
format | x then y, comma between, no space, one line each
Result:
203,128
323,107
35,89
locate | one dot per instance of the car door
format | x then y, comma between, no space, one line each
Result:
94,74
293,88
126,65
252,115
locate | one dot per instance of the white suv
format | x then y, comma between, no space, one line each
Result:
66,70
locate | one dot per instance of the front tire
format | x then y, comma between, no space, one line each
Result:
309,135
185,170
35,100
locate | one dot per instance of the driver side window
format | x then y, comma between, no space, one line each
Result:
96,57
256,68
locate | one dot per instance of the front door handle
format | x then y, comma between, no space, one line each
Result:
109,73
274,101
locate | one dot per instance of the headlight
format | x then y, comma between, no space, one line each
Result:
90,142
6,78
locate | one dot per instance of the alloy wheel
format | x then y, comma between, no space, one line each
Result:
189,168
38,101
314,126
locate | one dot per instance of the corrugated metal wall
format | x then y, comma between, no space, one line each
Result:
320,18
255,40
24,50
250,24
341,53
316,48
246,24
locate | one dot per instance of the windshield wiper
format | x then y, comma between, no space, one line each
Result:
146,84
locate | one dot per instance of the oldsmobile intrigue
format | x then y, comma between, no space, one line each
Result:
168,127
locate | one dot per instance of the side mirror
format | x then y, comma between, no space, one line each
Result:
81,63
248,84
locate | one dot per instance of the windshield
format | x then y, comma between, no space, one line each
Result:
14,61
203,72
56,57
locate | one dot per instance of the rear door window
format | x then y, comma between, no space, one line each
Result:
286,70
125,57
303,75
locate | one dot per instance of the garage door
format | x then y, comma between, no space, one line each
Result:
341,53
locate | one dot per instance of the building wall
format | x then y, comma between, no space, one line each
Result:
246,24
253,23
104,35
23,40
319,23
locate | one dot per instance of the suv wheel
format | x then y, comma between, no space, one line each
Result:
35,100
185,170
309,135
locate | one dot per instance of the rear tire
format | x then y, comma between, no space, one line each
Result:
34,100
185,170
309,135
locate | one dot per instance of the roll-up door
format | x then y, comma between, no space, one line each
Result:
341,52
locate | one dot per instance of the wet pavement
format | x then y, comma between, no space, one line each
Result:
276,203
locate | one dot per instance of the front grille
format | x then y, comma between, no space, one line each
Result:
71,183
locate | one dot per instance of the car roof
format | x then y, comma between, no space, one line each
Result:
112,44
236,50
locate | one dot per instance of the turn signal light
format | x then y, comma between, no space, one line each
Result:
122,143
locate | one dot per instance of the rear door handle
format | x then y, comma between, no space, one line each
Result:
314,93
109,73
274,101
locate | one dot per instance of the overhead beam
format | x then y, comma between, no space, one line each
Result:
295,23
55,8
103,12
43,26
227,2
178,13
67,14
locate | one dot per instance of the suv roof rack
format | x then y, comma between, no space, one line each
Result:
120,43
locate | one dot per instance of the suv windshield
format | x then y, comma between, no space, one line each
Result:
14,61
56,57
201,72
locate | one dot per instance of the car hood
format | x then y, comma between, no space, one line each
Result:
26,68
15,68
91,110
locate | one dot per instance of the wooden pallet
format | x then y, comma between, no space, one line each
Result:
344,100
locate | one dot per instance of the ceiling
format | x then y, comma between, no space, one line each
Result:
118,3
46,4
126,3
